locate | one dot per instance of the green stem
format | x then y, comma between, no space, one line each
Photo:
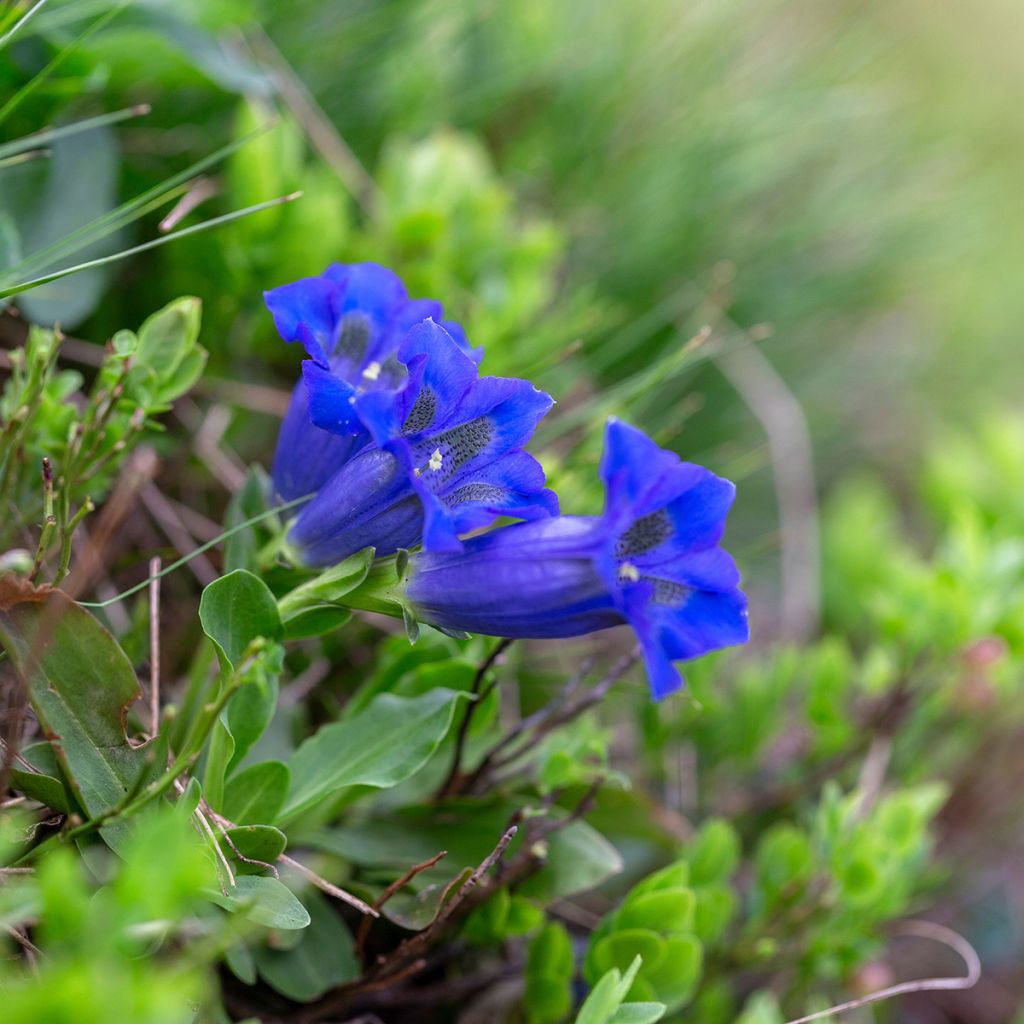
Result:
66,533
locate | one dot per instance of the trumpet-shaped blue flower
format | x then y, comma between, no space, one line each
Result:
351,320
652,560
447,456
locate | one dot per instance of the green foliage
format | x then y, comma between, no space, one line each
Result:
109,947
749,845
607,1003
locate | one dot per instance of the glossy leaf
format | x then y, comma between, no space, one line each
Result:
265,901
379,747
248,843
44,782
257,793
81,686
322,959
237,609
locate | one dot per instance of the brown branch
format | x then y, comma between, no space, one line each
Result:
453,783
32,951
558,713
417,944
400,883
328,887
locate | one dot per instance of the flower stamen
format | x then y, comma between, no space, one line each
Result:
629,573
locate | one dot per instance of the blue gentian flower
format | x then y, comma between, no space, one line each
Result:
447,456
652,560
351,320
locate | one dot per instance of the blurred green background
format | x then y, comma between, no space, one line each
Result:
844,177
786,238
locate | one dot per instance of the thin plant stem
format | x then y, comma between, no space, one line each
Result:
252,521
146,246
20,23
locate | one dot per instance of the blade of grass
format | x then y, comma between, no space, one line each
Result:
22,158
48,135
124,214
237,528
226,218
10,34
40,77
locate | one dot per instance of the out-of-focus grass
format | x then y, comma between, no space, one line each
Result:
855,165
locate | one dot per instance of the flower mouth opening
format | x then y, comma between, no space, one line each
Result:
353,339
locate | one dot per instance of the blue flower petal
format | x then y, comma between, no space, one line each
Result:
306,457
306,311
330,400
651,560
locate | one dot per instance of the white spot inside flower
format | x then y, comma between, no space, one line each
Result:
417,471
435,460
629,573
372,371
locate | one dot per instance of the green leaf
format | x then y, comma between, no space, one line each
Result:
579,858
675,876
783,861
185,375
323,958
80,184
221,747
257,793
716,906
250,710
668,910
265,901
81,685
675,977
547,999
167,336
241,963
638,1013
44,783
379,747
188,802
607,995
237,609
49,791
316,622
714,853
549,972
619,949
256,843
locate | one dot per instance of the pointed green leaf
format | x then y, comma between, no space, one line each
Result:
257,793
81,686
321,960
379,747
264,900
